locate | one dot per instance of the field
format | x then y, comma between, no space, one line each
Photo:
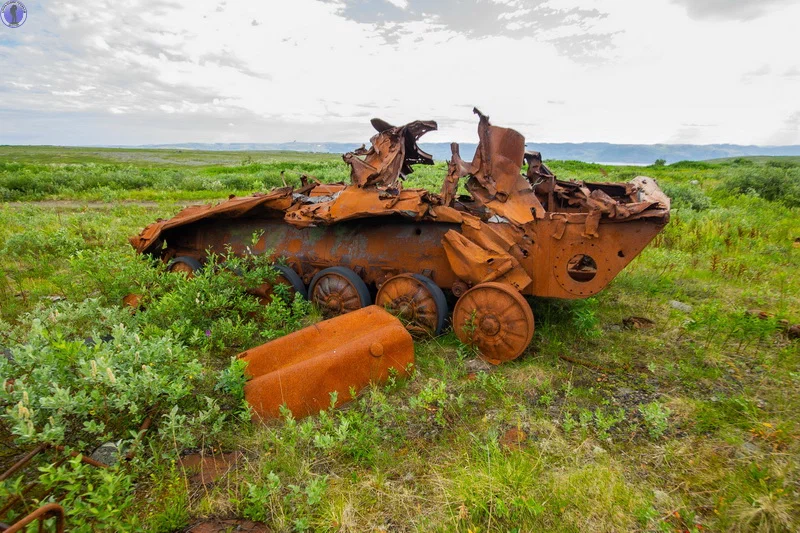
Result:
686,421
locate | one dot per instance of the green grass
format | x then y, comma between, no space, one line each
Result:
691,425
760,159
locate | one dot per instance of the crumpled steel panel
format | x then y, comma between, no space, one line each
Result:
393,151
343,354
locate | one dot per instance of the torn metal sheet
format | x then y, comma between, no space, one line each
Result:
341,355
393,151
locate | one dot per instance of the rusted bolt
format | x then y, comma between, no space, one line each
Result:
334,304
376,349
459,288
490,326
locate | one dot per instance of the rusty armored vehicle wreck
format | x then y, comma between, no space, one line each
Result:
515,234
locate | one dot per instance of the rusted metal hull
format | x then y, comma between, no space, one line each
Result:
341,355
380,248
619,244
374,248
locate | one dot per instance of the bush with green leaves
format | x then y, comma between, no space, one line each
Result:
656,418
37,244
775,183
211,310
94,499
69,391
82,374
686,196
110,275
79,375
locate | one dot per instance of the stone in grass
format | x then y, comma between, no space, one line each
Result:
478,365
107,453
680,306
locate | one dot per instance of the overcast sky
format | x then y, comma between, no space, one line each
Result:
624,71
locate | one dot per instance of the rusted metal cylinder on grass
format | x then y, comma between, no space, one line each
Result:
341,355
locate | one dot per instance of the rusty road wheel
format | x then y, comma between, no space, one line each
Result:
417,301
338,290
496,319
186,265
285,276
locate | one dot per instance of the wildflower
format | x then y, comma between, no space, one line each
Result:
94,368
208,333
23,411
111,375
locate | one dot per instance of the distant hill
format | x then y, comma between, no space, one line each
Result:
633,154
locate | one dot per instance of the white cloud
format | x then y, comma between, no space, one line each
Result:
183,71
402,4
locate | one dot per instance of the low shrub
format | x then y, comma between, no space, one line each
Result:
78,392
773,183
686,196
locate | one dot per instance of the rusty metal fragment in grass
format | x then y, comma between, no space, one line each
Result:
638,322
341,355
514,438
206,469
45,512
132,300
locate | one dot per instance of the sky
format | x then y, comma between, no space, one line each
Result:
129,72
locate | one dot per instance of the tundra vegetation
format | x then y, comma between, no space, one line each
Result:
688,421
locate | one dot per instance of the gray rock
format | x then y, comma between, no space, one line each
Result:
661,497
107,453
597,450
747,449
478,365
680,306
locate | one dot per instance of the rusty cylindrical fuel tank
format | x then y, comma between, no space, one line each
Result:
345,353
